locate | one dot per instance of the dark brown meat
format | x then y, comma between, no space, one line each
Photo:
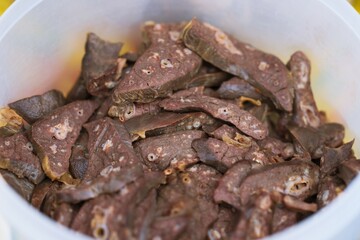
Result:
16,155
109,144
173,150
33,108
305,110
164,67
220,109
56,133
237,87
264,71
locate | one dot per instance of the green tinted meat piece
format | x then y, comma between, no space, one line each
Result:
55,134
35,107
264,71
165,66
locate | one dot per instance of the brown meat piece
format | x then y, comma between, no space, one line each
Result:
264,71
119,216
220,109
190,194
259,221
40,192
33,108
110,180
212,79
297,205
10,122
237,87
100,65
348,170
305,109
168,228
224,225
329,188
79,160
16,155
333,134
276,147
295,178
56,133
193,121
130,110
21,185
173,149
139,126
164,67
282,218
333,157
217,153
228,189
109,144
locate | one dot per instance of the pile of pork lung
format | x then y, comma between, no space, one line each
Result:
194,136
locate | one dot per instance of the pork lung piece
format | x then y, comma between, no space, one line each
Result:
237,87
79,160
173,149
228,189
295,178
100,65
55,134
333,157
21,185
109,144
110,180
121,215
190,194
305,109
164,67
217,153
16,155
35,107
165,122
220,109
264,71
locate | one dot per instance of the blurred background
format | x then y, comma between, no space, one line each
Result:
4,4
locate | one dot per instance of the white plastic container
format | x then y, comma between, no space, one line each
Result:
41,44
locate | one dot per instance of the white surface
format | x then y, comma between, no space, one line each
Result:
36,45
4,229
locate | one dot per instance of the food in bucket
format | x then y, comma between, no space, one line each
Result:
194,136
